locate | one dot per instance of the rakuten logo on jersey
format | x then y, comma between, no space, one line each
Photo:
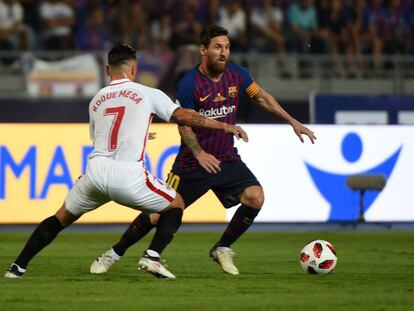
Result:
214,113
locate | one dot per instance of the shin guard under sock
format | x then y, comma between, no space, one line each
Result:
45,233
135,232
167,226
240,222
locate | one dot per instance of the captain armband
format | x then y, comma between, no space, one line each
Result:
253,89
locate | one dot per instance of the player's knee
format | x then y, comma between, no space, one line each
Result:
256,201
177,202
65,217
253,197
154,218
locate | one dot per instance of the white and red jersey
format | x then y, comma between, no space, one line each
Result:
120,115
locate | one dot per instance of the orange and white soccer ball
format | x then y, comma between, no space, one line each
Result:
318,257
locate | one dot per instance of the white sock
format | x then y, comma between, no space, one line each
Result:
152,253
21,270
114,254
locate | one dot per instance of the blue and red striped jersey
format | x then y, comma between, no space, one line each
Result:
216,100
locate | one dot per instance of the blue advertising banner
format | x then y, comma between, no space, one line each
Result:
361,109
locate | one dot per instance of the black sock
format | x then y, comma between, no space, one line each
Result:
135,232
45,233
240,222
167,226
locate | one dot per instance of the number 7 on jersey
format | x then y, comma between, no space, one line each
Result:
118,112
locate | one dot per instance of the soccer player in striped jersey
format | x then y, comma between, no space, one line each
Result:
208,160
120,116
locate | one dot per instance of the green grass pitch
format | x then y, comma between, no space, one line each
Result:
375,271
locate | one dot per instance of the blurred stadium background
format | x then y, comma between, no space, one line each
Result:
338,65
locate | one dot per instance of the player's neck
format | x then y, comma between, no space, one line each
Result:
215,77
119,76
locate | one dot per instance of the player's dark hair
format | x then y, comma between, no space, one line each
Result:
211,32
120,54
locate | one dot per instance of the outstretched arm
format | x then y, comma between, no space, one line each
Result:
269,103
189,117
206,160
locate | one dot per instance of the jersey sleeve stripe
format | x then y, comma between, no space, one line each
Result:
253,89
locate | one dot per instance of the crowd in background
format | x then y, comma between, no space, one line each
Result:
337,27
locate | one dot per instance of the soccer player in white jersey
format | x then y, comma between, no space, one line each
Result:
207,160
120,115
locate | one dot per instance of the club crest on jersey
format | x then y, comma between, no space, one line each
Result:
232,91
219,98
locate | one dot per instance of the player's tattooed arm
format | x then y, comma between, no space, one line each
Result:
269,103
206,160
183,116
191,118
190,139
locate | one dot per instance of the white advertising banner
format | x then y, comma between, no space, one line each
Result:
302,182
305,182
75,76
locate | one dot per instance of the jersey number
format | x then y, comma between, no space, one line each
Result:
173,180
116,123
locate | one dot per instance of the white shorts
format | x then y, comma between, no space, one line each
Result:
127,183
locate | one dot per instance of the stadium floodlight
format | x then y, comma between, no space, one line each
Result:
365,182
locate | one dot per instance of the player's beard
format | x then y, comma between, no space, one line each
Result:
216,68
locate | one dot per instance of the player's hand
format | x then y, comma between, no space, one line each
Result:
152,135
237,131
300,130
208,162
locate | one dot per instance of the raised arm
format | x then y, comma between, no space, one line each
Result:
269,103
189,117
